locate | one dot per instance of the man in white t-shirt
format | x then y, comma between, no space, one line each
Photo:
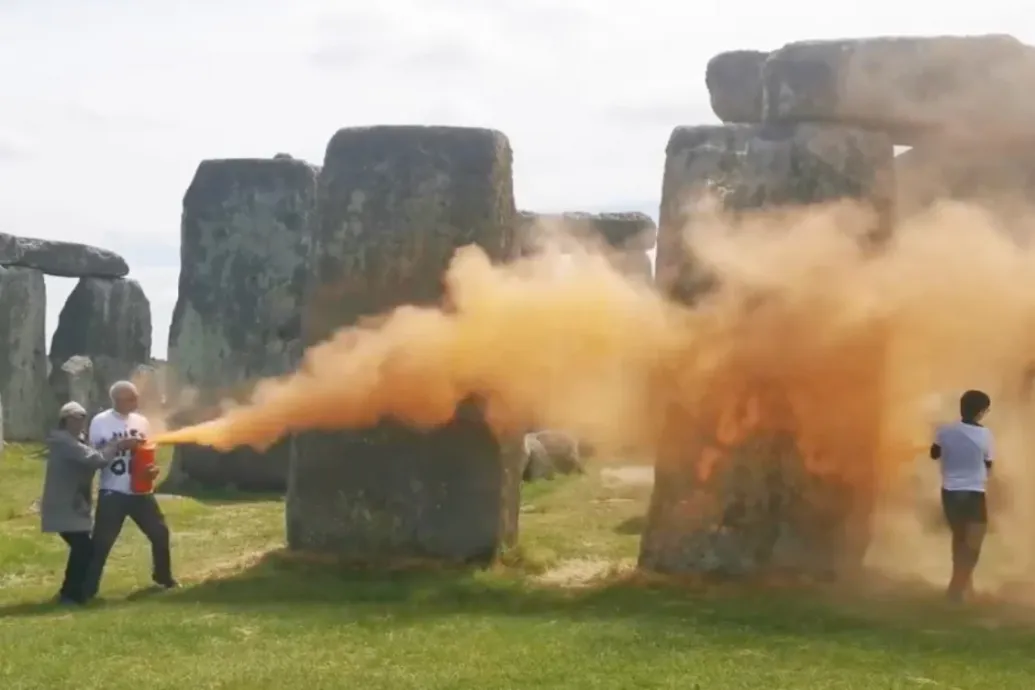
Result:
964,449
116,499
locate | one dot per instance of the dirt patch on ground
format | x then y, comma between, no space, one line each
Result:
634,475
583,572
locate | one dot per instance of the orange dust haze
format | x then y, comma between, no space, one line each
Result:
853,356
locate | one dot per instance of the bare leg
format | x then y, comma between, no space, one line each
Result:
967,540
974,539
960,575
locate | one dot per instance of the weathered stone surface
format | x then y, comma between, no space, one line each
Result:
522,241
103,335
624,231
23,353
1000,180
734,81
244,250
756,510
104,317
74,380
758,503
394,205
912,88
783,494
86,380
548,453
65,259
763,166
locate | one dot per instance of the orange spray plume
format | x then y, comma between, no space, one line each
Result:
806,336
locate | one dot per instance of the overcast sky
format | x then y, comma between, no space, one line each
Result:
109,105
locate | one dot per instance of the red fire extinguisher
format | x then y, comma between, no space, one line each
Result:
140,464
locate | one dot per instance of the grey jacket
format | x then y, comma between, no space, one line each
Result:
67,500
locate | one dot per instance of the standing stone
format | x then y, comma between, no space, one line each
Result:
747,505
103,317
244,249
79,379
752,167
622,231
734,81
108,322
970,88
74,380
629,236
548,453
23,353
395,203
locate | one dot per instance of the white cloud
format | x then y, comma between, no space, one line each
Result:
111,104
13,146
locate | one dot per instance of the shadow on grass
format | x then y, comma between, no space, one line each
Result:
217,497
49,606
917,621
634,525
905,621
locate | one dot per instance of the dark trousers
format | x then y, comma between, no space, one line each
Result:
112,510
80,554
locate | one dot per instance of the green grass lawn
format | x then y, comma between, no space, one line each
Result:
565,612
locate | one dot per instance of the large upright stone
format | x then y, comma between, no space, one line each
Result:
912,88
107,322
65,259
74,380
103,317
23,353
630,236
395,203
762,166
623,231
751,503
244,248
734,81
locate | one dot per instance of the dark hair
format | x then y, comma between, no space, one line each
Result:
973,403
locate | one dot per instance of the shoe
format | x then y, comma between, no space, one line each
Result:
167,584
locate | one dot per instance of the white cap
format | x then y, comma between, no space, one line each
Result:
72,409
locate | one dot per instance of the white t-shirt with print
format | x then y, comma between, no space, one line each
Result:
110,425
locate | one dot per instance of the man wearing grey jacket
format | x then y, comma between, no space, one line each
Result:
67,502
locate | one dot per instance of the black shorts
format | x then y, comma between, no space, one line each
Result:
964,507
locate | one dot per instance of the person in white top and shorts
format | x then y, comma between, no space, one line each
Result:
116,499
964,450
